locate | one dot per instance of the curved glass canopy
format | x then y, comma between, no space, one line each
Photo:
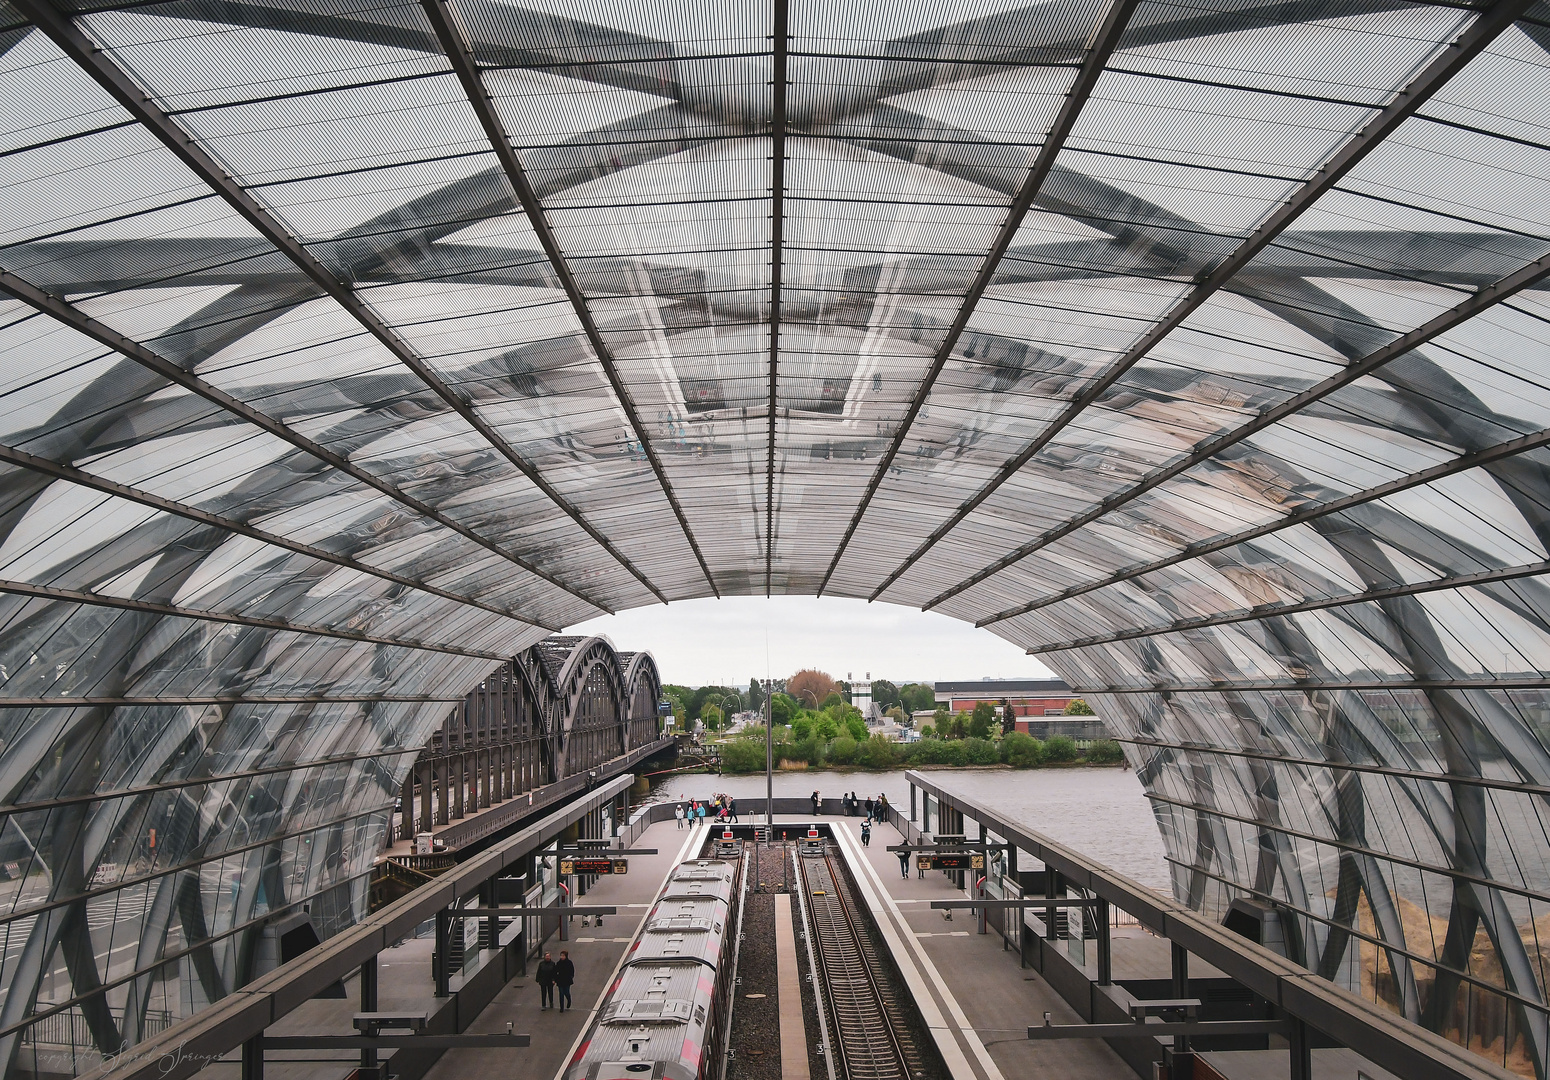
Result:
350,347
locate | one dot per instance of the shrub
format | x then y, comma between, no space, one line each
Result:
879,753
1022,751
1060,748
955,753
927,751
1105,752
857,728
802,727
928,732
842,751
742,756
980,752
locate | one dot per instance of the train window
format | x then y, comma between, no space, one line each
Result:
699,1014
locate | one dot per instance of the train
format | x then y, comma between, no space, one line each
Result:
666,1014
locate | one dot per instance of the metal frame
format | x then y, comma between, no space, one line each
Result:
236,1020
1105,40
96,63
1475,39
77,596
455,45
73,317
780,45
1369,1029
58,471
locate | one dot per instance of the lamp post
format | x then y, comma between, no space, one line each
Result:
769,765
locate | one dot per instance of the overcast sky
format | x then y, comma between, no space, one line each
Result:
724,641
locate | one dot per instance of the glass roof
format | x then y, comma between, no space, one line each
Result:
348,346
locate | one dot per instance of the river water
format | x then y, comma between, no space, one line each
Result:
1101,812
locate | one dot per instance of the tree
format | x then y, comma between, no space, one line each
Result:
885,694
898,716
782,708
917,697
826,727
958,728
928,732
755,696
983,719
857,728
1008,717
802,727
810,687
711,717
1078,707
834,698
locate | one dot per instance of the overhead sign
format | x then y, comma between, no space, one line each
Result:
951,860
594,866
950,838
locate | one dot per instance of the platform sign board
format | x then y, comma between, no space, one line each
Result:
594,866
948,839
951,860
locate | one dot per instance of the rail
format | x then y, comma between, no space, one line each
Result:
861,1000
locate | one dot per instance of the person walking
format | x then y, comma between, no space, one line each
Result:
904,864
564,975
546,983
866,833
679,814
816,801
732,807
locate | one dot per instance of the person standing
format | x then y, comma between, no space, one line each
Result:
816,802
564,975
546,982
904,864
678,812
870,806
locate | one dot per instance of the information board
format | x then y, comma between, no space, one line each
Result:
594,866
950,860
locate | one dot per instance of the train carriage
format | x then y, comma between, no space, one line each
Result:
663,1017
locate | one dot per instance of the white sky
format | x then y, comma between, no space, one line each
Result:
697,642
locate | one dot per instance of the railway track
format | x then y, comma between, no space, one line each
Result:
869,1039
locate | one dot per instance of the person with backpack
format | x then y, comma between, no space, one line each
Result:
564,975
546,968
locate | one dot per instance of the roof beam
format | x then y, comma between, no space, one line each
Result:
1531,682
1105,39
74,43
781,46
1271,611
77,320
215,699
1530,275
455,44
21,459
1452,59
1395,350
76,596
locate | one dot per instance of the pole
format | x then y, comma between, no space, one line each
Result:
769,763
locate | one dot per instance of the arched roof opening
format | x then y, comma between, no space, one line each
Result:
347,349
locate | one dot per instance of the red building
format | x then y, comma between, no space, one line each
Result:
1033,699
